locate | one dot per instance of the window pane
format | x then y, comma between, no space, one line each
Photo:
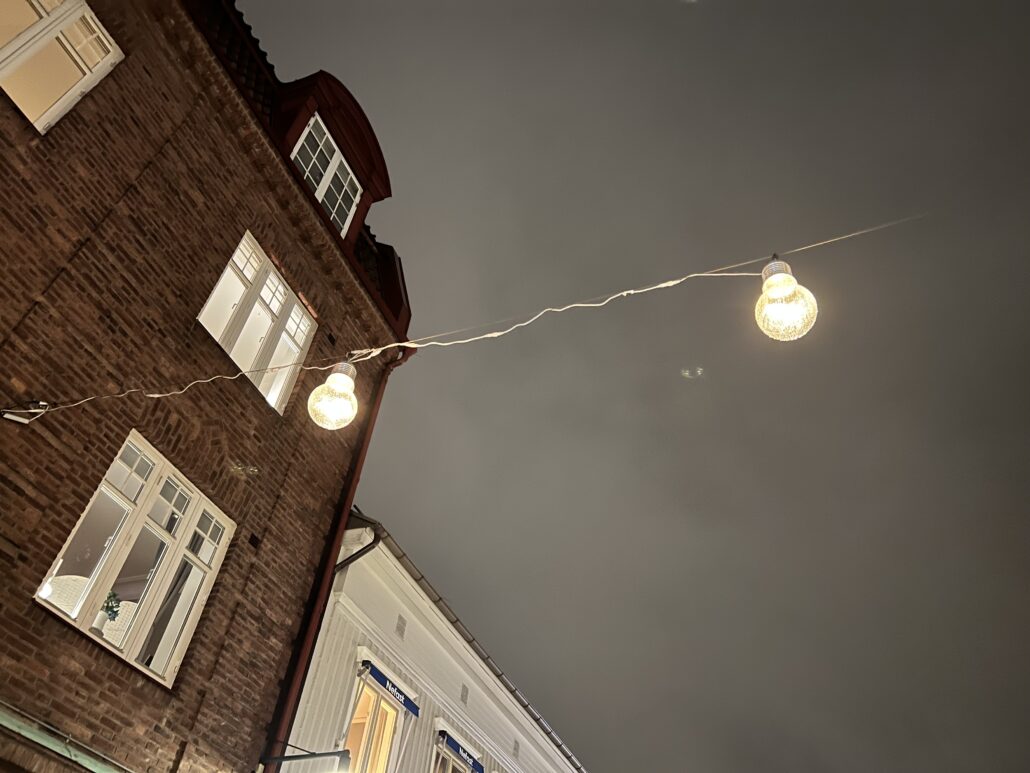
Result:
247,346
274,293
205,523
274,382
246,258
359,727
304,156
130,471
83,555
42,79
382,739
87,41
315,154
130,587
171,617
170,506
298,325
224,299
15,16
330,199
204,541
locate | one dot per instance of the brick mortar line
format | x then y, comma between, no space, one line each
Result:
133,185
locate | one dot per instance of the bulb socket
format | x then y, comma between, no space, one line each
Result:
347,370
776,267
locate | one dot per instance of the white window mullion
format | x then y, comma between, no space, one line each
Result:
303,134
272,338
334,162
165,573
125,539
291,381
190,624
251,298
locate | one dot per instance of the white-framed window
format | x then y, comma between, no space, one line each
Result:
326,171
51,54
373,732
259,321
136,570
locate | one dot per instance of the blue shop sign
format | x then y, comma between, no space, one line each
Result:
390,687
462,752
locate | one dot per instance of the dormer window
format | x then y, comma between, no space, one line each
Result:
326,171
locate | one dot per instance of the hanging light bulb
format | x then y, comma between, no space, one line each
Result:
333,405
785,311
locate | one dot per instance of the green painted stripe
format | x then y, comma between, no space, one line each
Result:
38,734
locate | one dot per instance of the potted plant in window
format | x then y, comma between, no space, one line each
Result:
108,611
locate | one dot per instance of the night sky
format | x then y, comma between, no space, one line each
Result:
815,557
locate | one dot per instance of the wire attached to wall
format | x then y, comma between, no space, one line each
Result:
38,409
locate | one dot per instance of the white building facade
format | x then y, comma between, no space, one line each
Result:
398,681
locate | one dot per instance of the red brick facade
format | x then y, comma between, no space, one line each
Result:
114,228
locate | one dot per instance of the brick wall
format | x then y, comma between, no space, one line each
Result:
114,228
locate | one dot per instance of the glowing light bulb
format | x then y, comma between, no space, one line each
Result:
785,311
333,405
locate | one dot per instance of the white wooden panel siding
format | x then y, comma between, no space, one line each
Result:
432,660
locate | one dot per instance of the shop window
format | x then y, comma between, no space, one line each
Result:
373,728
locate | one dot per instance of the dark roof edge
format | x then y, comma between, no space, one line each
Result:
359,520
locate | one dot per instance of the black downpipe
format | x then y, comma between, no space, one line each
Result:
377,537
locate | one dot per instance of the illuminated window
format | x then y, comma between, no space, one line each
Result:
137,568
51,54
373,727
446,762
259,321
327,174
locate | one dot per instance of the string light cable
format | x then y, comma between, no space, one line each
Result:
776,276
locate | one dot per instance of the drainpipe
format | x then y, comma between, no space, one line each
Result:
377,537
300,661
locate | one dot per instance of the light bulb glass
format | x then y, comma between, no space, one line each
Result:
333,404
779,285
785,311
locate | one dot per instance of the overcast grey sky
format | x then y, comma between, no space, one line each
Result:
815,557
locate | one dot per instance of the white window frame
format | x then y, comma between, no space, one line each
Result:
51,24
161,579
337,163
269,342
